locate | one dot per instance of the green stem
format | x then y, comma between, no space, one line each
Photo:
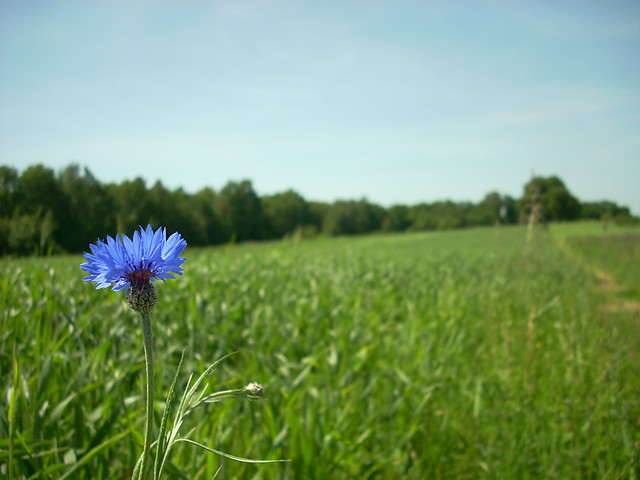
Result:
147,335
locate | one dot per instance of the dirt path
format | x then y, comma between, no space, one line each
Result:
604,283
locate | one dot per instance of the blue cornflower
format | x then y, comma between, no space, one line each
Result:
121,262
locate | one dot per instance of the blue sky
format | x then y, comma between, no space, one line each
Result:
396,101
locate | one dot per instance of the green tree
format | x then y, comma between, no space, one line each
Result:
41,209
450,215
317,213
240,211
8,184
132,205
555,200
602,209
397,219
285,212
208,221
90,209
191,215
37,188
421,217
164,209
493,209
443,215
31,233
353,217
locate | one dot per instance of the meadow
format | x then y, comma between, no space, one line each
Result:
470,354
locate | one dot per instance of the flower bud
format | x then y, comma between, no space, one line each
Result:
142,297
254,389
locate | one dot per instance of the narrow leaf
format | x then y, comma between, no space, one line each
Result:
227,455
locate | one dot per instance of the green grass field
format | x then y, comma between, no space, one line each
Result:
469,354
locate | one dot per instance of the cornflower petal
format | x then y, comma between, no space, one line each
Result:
148,256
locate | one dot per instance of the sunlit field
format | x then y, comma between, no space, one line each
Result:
453,355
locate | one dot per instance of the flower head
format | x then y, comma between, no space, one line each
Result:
254,389
121,262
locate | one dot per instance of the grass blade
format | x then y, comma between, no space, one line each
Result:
227,455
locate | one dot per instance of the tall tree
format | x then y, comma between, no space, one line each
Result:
601,210
162,207
285,212
209,224
421,218
397,219
555,200
90,209
8,184
41,209
353,217
132,204
493,209
239,208
37,188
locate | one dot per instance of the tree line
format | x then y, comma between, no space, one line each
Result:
44,212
